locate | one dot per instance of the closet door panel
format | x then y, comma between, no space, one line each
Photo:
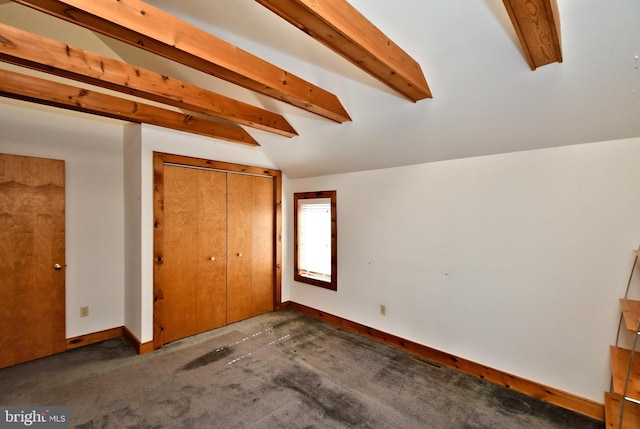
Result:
212,247
239,269
180,252
263,245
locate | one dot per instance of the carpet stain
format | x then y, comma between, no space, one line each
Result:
121,418
208,358
193,390
512,404
340,406
177,408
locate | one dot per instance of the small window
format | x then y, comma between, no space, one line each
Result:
315,239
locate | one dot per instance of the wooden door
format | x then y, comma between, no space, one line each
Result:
262,264
32,258
194,251
180,252
251,246
240,202
212,250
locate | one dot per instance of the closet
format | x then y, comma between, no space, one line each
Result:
214,243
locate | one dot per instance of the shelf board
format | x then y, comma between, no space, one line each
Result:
612,405
631,313
619,367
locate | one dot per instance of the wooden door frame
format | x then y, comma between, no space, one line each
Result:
159,161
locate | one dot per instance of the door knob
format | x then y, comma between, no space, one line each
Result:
239,254
57,267
213,258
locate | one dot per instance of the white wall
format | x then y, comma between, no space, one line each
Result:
514,261
132,229
92,151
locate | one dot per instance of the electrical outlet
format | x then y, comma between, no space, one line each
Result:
84,311
383,309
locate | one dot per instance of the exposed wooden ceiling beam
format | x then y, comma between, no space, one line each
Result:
41,91
537,25
37,52
339,26
149,28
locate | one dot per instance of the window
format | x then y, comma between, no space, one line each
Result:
315,238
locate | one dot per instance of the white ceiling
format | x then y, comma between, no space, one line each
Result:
486,99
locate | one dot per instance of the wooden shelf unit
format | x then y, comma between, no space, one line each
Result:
612,405
619,368
630,313
624,398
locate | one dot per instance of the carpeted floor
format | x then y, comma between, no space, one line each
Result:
279,370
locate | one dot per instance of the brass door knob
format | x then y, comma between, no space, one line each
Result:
213,258
57,267
239,254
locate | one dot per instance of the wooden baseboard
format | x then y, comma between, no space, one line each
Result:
108,334
140,348
549,394
96,337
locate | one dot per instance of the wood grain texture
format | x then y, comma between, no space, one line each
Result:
216,165
41,91
32,241
94,337
277,272
140,348
519,384
631,313
158,251
180,253
620,359
537,25
264,175
262,254
212,243
40,53
340,27
239,265
613,404
149,28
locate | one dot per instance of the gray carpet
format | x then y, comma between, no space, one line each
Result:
279,370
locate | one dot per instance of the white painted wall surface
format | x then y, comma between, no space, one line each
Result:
132,137
514,261
92,151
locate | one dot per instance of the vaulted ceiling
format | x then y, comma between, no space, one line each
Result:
495,76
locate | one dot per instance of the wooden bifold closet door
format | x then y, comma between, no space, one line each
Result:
195,251
218,249
250,234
